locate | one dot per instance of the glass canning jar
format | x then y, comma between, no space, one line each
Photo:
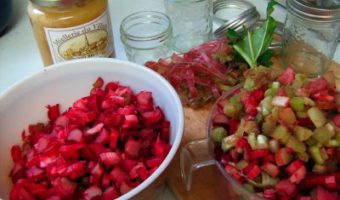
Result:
70,29
146,35
311,35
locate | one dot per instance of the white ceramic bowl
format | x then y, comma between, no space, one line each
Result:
25,102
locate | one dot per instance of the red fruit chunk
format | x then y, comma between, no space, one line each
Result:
152,117
144,100
294,166
233,125
259,153
131,121
19,193
98,83
160,148
336,120
71,151
64,187
286,187
298,175
119,176
220,119
16,153
103,137
110,193
96,174
110,158
75,135
316,85
282,157
271,169
113,139
322,194
287,77
95,129
53,112
125,188
154,162
252,171
331,182
269,194
233,172
92,193
76,170
132,148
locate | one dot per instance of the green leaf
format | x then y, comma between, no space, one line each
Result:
254,44
233,35
270,7
265,58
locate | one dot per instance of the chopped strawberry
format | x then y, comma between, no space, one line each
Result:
287,77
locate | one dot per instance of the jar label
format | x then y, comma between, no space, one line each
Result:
92,39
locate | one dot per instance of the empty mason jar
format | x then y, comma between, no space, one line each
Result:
191,21
311,35
146,35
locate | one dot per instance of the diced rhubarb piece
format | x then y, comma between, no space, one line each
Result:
282,157
62,121
252,171
302,133
297,104
71,151
317,116
76,170
118,176
324,134
132,148
229,142
103,137
259,153
271,169
131,121
233,172
281,101
35,173
98,83
287,117
110,193
269,194
96,174
294,166
92,193
125,188
286,187
154,162
64,186
21,193
218,133
322,194
296,145
287,77
331,182
220,119
336,120
152,117
281,133
114,135
298,175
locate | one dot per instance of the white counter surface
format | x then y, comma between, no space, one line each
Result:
19,54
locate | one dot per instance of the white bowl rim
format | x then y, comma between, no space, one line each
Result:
173,93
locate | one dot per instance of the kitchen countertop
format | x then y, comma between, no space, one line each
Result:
19,54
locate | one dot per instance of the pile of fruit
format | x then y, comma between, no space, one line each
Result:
281,139
103,146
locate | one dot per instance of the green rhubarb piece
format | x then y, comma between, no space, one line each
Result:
290,91
287,116
316,155
269,125
275,112
230,110
303,156
316,116
323,154
299,80
266,105
259,118
323,134
267,180
297,104
302,133
218,134
273,89
251,127
252,140
311,141
281,133
229,142
224,87
240,128
301,114
319,169
274,145
249,84
296,145
262,142
333,143
308,101
249,187
241,164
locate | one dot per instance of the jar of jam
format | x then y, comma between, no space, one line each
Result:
71,29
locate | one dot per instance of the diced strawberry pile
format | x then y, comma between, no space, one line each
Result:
282,140
102,147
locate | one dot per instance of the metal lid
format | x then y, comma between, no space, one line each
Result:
315,10
246,18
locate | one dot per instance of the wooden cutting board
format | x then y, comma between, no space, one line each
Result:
204,179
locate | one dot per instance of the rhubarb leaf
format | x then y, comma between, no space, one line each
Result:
255,43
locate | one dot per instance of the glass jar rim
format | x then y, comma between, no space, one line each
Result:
149,15
53,2
317,13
